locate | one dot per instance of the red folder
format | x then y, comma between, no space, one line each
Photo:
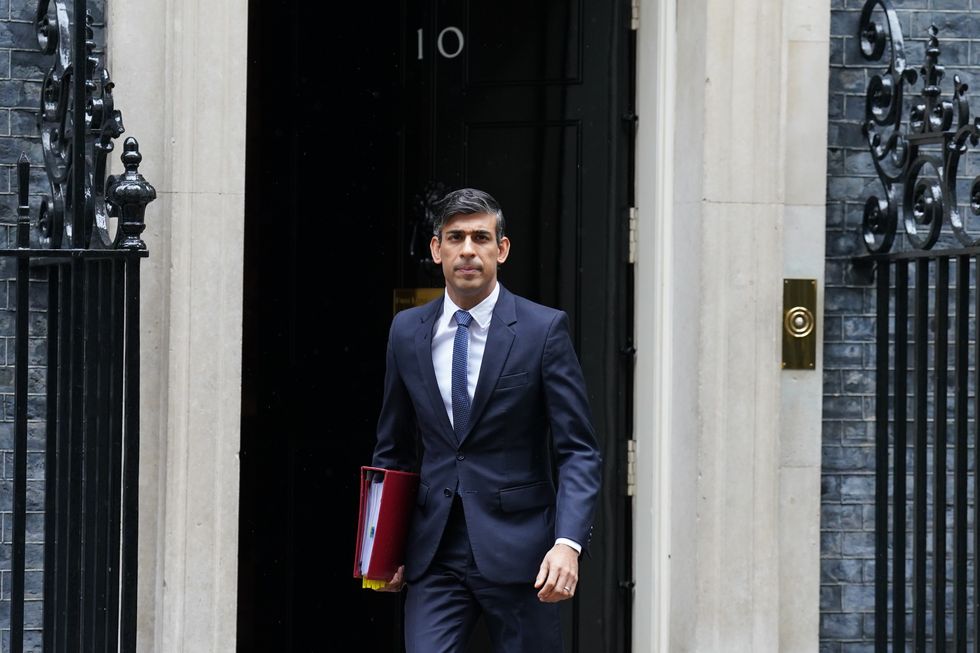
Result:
394,516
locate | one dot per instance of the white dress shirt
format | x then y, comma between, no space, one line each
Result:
442,346
442,355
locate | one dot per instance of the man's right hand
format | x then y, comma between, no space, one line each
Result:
397,582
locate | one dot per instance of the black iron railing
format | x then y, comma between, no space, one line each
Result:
86,247
922,369
926,288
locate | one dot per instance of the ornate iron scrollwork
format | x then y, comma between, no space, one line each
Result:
101,124
927,179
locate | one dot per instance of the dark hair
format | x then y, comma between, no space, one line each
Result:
466,201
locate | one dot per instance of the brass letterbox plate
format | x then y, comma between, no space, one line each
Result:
409,297
799,324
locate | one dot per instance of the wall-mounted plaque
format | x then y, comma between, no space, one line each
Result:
799,324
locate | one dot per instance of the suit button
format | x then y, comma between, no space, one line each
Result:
460,456
447,492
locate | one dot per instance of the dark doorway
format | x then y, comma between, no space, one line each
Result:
355,112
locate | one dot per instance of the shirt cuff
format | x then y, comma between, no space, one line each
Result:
575,545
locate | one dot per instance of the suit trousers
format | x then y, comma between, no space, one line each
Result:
442,607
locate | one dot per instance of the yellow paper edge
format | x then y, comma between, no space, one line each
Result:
370,584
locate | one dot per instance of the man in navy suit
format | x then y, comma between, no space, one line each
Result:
477,382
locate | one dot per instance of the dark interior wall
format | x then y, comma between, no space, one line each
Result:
319,268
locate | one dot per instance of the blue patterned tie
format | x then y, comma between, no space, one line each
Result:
461,396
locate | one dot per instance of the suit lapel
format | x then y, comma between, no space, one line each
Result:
423,351
499,341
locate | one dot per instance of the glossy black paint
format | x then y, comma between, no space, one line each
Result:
536,109
920,451
940,381
939,375
901,447
961,339
92,369
917,162
881,456
76,213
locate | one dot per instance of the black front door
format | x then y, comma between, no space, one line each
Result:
356,113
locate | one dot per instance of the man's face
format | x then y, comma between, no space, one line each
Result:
469,254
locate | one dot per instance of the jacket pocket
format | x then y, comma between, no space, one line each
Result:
422,494
512,380
523,497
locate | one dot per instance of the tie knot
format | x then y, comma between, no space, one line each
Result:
463,318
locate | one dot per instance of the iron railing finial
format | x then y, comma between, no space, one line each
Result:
127,195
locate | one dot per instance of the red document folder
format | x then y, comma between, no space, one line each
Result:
398,493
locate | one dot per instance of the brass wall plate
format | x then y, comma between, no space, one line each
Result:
408,297
799,324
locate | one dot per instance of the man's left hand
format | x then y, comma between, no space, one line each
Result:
558,575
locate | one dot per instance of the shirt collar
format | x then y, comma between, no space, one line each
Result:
482,312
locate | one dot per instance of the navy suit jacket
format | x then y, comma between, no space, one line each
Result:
530,388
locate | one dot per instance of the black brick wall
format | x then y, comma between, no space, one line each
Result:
847,516
22,69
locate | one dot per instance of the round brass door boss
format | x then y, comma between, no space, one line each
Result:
799,322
